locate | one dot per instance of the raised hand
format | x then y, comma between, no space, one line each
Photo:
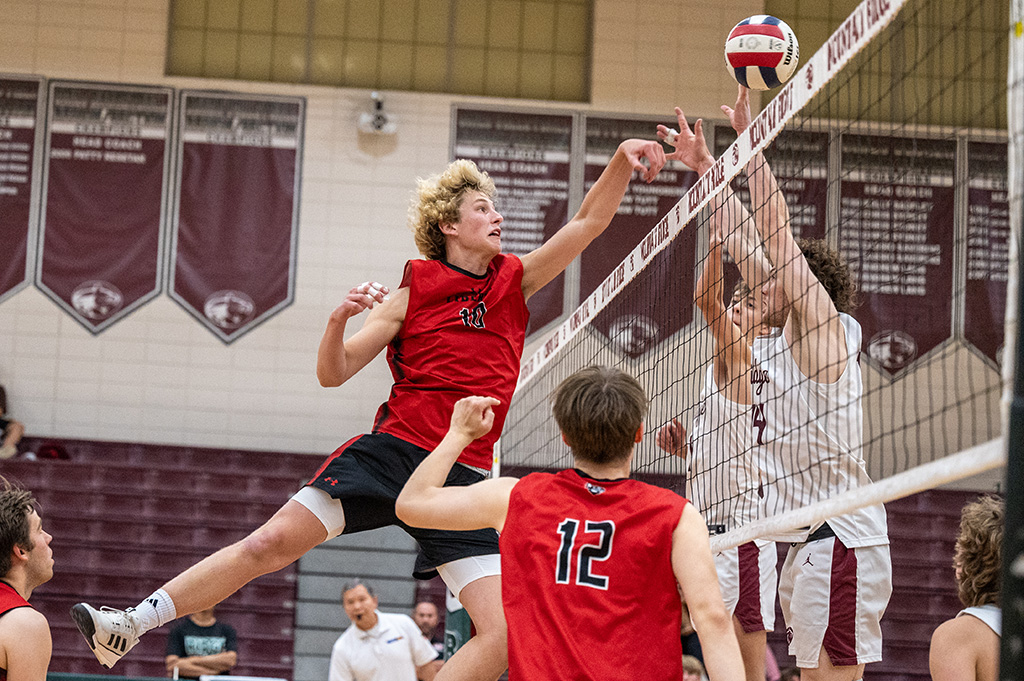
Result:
473,417
739,117
690,145
361,297
637,150
671,438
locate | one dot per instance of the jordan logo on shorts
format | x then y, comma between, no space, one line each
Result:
807,562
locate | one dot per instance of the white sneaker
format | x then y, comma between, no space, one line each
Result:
110,633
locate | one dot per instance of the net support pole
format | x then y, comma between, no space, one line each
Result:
1012,653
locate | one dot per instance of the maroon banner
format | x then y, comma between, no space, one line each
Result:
21,112
799,161
988,249
236,219
105,178
659,302
896,230
527,156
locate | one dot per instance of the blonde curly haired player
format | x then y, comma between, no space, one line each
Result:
454,327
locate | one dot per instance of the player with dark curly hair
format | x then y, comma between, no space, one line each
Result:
837,578
966,648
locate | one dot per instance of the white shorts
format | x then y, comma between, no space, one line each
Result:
456,574
748,580
326,508
833,598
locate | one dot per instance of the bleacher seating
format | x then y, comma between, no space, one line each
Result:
127,517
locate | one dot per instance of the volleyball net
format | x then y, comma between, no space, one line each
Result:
890,146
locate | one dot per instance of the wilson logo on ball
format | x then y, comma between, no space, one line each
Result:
762,52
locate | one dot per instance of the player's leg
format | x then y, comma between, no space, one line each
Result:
754,613
752,650
283,539
476,582
844,592
826,671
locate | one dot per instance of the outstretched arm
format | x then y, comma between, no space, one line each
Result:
595,213
727,213
814,319
338,360
732,354
426,502
695,571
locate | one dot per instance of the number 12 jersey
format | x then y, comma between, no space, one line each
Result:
587,582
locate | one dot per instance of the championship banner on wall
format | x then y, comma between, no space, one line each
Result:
988,249
647,321
897,234
235,225
104,180
21,129
527,156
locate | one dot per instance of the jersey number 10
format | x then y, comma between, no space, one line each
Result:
587,553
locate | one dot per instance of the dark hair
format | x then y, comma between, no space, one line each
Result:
353,583
599,409
832,271
15,506
3,399
977,553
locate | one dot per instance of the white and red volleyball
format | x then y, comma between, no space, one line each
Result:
762,52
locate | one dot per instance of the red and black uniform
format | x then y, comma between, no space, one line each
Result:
463,335
587,580
9,600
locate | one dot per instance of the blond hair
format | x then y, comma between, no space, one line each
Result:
437,202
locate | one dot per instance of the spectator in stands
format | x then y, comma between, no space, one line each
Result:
966,648
425,615
201,645
26,561
11,431
379,646
693,669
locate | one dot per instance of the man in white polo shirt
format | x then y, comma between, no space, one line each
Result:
379,646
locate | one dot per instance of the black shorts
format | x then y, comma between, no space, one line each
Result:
368,472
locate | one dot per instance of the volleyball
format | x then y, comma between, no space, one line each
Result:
762,52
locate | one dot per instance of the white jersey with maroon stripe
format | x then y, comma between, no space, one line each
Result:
722,478
813,435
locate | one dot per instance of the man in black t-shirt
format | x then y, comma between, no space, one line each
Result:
201,645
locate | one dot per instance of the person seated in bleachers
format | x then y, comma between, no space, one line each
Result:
201,645
11,431
966,648
26,561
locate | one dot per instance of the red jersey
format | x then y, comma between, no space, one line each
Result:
9,600
587,581
463,335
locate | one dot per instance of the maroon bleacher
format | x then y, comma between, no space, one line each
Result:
127,517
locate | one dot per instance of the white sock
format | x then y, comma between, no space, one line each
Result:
155,611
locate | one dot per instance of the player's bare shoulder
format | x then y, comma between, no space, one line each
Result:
23,630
